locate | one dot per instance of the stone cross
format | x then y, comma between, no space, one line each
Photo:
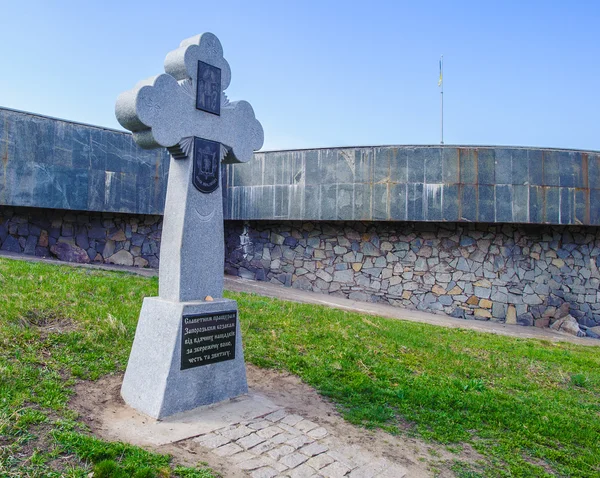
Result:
187,350
170,110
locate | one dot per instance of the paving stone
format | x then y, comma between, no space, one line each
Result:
292,420
303,471
254,463
281,438
212,440
250,441
235,433
269,431
276,416
228,450
262,448
259,425
293,459
320,461
305,426
317,433
313,449
264,472
277,453
240,457
289,429
334,470
299,441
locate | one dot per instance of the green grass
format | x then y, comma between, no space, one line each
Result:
57,325
531,408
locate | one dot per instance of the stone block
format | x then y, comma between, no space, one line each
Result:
122,258
511,315
70,253
568,325
334,470
345,276
482,292
525,319
212,440
264,472
485,304
320,461
11,244
499,310
313,449
30,245
482,314
438,290
293,460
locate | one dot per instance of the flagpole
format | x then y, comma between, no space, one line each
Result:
442,97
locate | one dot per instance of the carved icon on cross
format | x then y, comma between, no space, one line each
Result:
170,109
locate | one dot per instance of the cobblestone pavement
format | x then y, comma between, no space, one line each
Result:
286,445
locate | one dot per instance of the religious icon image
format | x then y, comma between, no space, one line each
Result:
208,94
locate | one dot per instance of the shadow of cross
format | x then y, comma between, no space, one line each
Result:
186,111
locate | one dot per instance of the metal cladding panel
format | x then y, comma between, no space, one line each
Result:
50,163
488,184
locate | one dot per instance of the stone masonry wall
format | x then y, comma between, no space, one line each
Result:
504,273
75,236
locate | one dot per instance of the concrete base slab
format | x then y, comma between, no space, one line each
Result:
141,430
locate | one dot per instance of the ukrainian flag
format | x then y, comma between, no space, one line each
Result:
441,79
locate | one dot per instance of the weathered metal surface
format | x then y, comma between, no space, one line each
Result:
58,164
419,183
52,163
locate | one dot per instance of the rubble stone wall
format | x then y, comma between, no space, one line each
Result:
505,273
82,236
520,274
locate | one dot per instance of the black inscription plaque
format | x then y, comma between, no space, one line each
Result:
208,338
208,90
207,155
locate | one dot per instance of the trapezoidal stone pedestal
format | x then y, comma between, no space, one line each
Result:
184,355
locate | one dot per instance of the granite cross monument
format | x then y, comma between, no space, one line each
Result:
187,350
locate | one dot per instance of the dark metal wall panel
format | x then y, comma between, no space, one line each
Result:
491,184
50,163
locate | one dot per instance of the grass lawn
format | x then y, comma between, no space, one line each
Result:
530,407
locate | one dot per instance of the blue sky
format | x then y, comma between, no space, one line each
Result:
328,73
